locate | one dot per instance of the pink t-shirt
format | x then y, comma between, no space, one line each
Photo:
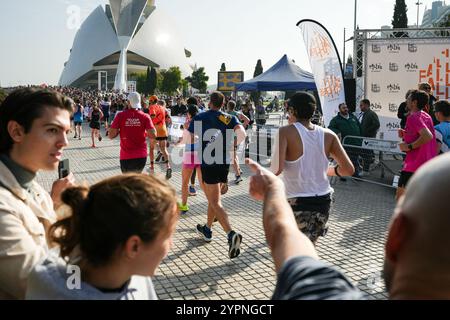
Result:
417,157
132,125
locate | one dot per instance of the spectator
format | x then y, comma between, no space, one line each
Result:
301,153
346,124
417,259
419,139
33,133
118,232
260,114
403,111
442,130
370,124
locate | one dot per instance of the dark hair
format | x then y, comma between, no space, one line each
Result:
24,106
366,102
425,86
304,105
231,104
442,106
217,99
192,110
106,215
192,100
421,97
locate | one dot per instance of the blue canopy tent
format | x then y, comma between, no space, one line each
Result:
282,76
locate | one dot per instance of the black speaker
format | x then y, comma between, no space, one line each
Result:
350,94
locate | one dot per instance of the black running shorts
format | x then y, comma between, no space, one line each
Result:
216,173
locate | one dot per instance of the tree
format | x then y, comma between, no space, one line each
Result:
2,95
258,70
140,79
199,80
222,67
400,19
147,82
153,79
171,80
350,59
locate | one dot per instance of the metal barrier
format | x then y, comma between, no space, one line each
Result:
376,161
260,142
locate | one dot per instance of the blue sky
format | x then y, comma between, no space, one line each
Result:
36,36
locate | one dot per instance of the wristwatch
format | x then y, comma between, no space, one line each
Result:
410,147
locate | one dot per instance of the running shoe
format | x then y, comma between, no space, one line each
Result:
205,232
168,173
238,179
234,243
192,191
183,208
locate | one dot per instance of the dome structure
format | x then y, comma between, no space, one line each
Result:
126,37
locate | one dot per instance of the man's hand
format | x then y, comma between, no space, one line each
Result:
59,186
263,181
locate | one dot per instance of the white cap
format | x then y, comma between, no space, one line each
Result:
135,100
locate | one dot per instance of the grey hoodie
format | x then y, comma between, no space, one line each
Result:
49,281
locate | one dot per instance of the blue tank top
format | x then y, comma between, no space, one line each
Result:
78,115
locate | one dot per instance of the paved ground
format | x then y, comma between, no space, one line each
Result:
196,270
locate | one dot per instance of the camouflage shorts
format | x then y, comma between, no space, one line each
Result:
312,223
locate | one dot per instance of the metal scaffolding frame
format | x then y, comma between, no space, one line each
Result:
363,37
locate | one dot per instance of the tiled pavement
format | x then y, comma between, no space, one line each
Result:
198,270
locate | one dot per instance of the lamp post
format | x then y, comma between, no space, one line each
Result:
418,3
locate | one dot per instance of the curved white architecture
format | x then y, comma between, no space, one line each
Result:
126,37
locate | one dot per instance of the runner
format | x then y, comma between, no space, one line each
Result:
78,119
96,115
158,116
134,127
212,126
243,119
190,159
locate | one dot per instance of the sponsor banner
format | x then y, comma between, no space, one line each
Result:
397,65
326,67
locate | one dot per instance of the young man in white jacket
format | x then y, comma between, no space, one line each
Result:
34,124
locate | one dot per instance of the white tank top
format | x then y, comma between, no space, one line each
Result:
307,176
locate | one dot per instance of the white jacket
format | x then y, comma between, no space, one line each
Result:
24,221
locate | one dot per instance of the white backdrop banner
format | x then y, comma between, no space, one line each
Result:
395,66
326,67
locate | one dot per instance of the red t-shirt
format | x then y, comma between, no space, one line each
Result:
132,125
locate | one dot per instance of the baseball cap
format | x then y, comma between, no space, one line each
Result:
135,100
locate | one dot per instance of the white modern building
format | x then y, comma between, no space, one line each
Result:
126,37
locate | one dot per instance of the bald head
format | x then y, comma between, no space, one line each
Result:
427,202
417,250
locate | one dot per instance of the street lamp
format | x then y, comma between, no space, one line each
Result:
418,3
